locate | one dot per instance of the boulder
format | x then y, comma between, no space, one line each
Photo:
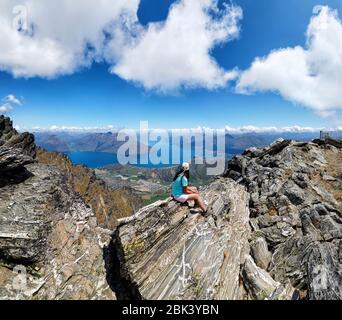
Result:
258,282
12,159
51,246
261,255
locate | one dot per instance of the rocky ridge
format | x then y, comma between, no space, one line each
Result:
296,203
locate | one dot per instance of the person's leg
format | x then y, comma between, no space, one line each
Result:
198,200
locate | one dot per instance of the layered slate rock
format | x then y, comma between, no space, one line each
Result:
51,246
16,151
295,204
48,229
12,159
166,252
10,138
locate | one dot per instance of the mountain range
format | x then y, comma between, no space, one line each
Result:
107,141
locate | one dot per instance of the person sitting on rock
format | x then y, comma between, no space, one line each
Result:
182,192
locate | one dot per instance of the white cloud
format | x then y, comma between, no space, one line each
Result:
256,129
309,76
59,34
9,102
62,36
5,108
13,99
74,129
289,129
176,52
184,131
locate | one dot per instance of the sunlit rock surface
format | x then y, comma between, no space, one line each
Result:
170,253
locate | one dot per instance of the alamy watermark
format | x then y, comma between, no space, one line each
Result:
20,20
168,147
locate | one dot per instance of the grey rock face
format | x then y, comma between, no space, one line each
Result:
16,151
55,236
260,253
9,137
259,283
296,209
13,159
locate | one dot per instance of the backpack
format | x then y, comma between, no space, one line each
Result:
182,175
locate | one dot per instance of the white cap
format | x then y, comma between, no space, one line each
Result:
185,166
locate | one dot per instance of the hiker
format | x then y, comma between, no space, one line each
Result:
182,192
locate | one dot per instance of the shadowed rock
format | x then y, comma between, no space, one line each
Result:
13,159
16,150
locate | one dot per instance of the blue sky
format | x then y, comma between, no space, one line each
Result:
94,97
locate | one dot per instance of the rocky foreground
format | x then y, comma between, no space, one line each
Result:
51,244
274,231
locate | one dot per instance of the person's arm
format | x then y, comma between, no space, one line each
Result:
188,190
192,190
186,187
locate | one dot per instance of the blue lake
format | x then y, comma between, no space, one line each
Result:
92,159
100,159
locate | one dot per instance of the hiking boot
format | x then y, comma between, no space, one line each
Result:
206,214
195,211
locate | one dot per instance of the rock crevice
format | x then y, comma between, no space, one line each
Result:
117,275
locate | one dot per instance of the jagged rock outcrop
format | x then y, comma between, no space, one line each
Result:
51,246
9,137
12,159
49,230
168,253
17,150
296,203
